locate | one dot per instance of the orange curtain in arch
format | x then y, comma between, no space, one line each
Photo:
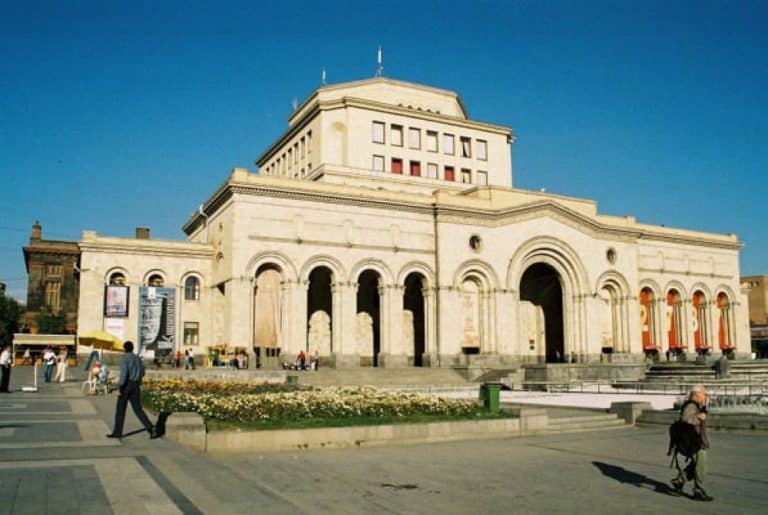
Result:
698,320
646,319
723,329
673,319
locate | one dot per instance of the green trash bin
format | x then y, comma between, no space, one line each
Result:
292,379
489,396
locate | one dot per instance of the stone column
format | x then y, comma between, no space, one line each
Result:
430,357
344,321
392,354
298,322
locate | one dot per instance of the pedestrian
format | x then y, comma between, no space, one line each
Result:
694,412
315,359
129,390
27,357
61,366
191,359
49,360
5,366
178,358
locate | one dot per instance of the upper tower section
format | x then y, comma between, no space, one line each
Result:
390,134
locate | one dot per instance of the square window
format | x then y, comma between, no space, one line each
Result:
448,173
432,170
378,132
482,178
378,163
448,142
191,333
397,165
431,141
482,150
397,135
415,168
466,147
466,176
414,138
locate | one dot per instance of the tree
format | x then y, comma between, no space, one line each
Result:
10,315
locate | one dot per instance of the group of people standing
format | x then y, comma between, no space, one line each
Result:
58,360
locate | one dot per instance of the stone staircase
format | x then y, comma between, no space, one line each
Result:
692,373
562,419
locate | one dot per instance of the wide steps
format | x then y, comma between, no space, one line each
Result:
585,423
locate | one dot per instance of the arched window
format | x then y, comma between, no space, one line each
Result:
192,288
117,279
156,280
724,325
648,319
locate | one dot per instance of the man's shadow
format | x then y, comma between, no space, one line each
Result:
623,475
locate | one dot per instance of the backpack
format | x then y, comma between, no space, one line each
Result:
683,437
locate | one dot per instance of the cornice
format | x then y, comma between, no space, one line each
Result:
469,215
159,248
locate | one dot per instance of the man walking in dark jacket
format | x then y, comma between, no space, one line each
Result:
129,390
694,412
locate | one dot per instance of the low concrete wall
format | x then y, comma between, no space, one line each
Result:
714,420
187,429
630,411
220,374
564,372
332,437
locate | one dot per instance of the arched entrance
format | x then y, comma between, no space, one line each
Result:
725,337
368,317
648,321
413,303
541,285
267,315
675,322
699,322
320,311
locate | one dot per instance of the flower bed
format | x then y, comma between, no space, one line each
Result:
269,405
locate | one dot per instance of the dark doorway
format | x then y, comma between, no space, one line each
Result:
413,301
540,285
319,295
368,302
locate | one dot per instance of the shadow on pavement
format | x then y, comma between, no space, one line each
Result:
623,475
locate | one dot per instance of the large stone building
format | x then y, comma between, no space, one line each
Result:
383,229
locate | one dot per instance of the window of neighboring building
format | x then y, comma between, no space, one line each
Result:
296,153
482,178
192,288
156,280
397,165
53,270
378,163
117,279
397,135
432,170
378,132
53,296
309,142
448,173
431,141
482,150
416,168
303,147
191,333
290,158
466,147
448,142
414,138
466,176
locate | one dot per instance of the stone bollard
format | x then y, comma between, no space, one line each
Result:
630,411
532,420
187,429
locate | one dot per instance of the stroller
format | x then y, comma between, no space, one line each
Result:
98,382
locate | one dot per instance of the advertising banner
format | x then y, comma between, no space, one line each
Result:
115,327
116,300
157,319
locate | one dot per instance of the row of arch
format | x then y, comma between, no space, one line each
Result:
679,321
191,281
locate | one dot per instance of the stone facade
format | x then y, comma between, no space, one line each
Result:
757,286
52,279
327,248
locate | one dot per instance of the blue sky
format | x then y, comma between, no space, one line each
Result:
122,114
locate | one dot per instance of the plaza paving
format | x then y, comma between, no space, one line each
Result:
54,458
